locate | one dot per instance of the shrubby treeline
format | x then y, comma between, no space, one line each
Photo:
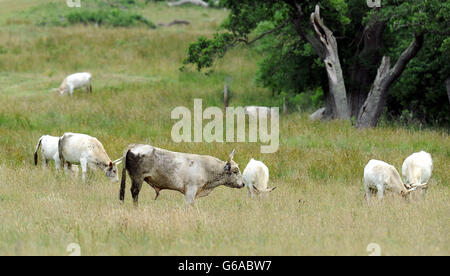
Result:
340,47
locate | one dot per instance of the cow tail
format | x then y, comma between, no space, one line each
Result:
36,150
124,176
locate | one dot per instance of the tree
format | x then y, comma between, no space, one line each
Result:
299,43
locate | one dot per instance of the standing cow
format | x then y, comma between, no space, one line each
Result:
49,150
75,148
75,81
191,174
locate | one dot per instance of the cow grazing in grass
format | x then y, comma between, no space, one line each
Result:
75,81
256,177
191,174
379,176
75,148
417,169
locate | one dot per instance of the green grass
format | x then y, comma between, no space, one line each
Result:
317,208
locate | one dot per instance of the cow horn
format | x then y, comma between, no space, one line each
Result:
232,155
411,190
118,161
419,185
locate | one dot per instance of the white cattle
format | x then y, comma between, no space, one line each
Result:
191,174
417,169
253,110
75,148
75,81
256,177
49,150
380,176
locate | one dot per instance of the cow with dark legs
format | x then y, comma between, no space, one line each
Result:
191,174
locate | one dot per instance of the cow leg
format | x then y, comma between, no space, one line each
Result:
368,193
83,164
189,195
157,192
70,90
250,190
135,189
44,163
380,192
57,161
90,88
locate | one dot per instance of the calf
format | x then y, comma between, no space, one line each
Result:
379,176
191,174
256,177
417,169
75,148
74,81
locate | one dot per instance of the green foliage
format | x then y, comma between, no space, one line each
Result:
112,17
99,12
288,63
204,51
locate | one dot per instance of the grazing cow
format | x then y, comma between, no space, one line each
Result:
379,176
49,150
417,169
75,148
256,177
74,81
191,174
254,110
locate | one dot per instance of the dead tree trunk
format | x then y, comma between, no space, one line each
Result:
326,46
373,106
363,69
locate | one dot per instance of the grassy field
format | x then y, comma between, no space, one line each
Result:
317,208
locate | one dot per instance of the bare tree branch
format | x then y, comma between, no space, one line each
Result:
245,40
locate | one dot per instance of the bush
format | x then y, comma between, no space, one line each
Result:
119,13
113,17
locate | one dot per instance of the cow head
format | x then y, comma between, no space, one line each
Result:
61,90
233,177
111,170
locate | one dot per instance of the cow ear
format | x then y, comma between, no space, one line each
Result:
227,167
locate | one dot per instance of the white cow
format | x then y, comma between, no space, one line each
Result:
76,148
253,110
74,81
417,169
49,150
256,177
380,176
